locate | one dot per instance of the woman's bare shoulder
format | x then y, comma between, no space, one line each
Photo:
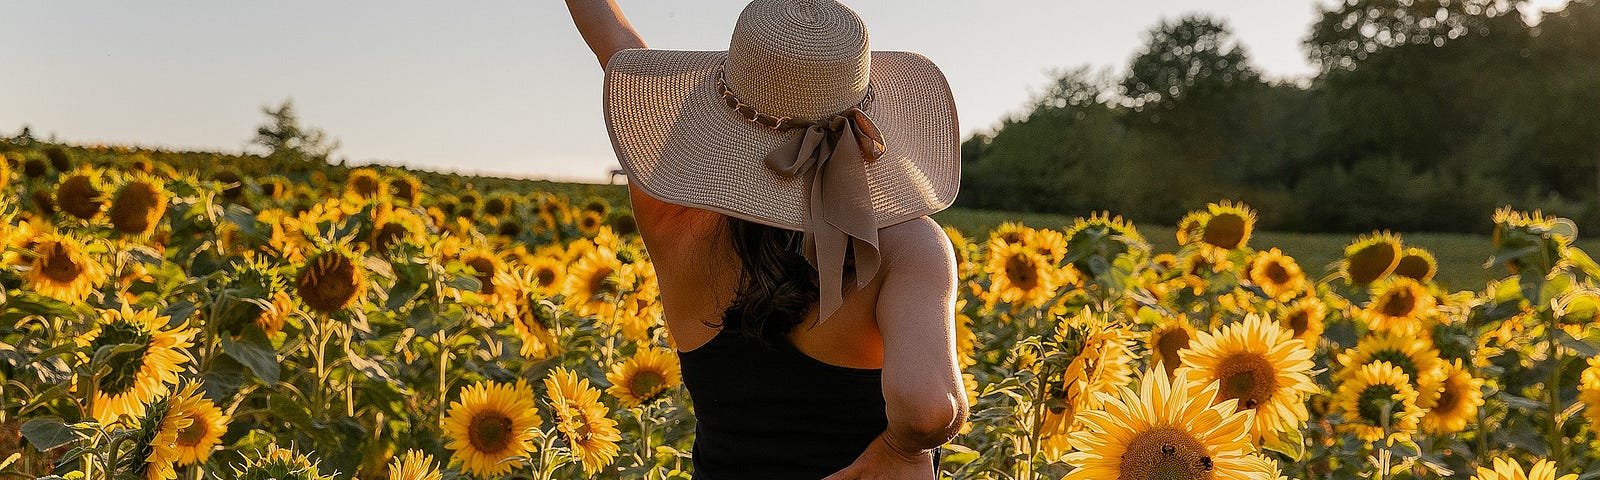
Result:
919,241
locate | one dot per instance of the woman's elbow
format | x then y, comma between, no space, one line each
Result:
932,423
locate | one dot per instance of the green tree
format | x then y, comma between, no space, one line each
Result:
1192,60
284,137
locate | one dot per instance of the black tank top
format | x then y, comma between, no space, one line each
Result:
773,412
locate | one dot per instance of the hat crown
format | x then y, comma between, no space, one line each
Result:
799,58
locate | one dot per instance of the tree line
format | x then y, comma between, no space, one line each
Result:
1424,115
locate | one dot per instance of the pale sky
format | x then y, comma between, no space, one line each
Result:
505,87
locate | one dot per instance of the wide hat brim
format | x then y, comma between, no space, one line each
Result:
680,143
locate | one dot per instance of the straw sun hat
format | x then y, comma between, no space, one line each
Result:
798,125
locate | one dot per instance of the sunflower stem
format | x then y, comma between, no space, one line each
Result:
1553,387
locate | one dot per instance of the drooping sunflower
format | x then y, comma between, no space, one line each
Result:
62,269
1305,318
1261,365
1277,274
156,450
1417,264
1399,305
1102,235
646,375
81,193
138,206
1509,469
1363,396
533,321
1413,355
1019,275
581,419
1166,430
1530,241
1371,257
414,465
1167,339
1191,226
331,281
1458,402
595,282
492,426
139,376
1100,365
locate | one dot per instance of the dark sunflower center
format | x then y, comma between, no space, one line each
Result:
1413,267
1299,321
365,186
192,435
490,432
1369,264
1449,399
388,235
329,283
1225,230
1022,272
57,264
1371,402
546,276
646,383
1168,345
576,425
1276,273
78,197
125,366
1398,302
601,282
1165,453
1011,238
136,207
1248,377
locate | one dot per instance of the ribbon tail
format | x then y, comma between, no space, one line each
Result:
850,205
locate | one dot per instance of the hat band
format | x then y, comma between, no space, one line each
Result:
778,123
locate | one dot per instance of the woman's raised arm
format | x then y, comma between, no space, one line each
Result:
603,27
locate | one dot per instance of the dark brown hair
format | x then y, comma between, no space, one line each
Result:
777,286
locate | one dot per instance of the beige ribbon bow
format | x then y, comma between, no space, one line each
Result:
836,150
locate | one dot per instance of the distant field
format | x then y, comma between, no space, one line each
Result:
1461,256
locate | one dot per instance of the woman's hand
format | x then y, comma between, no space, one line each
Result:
883,460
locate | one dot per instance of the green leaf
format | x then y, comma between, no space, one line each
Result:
464,283
255,352
291,411
1291,443
1580,346
47,432
373,369
1583,262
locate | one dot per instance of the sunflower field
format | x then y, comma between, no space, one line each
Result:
194,316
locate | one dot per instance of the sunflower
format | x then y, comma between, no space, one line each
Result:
278,463
589,222
405,188
80,194
414,465
1277,274
1167,339
495,278
330,281
1305,318
1012,233
1530,241
581,419
491,427
1166,431
1104,236
1364,395
1399,305
363,183
1050,244
1457,404
1228,225
393,226
1019,275
624,223
641,310
196,441
1589,390
156,449
533,321
1262,366
966,339
1417,264
1509,469
596,205
1414,356
139,376
547,273
595,282
1099,365
138,206
43,201
1371,257
62,270
1191,227
646,375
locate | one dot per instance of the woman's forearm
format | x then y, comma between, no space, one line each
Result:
603,27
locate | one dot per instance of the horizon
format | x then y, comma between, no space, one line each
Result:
504,88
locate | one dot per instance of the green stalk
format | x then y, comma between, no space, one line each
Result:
1553,387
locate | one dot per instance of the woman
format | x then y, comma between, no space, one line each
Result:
782,188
